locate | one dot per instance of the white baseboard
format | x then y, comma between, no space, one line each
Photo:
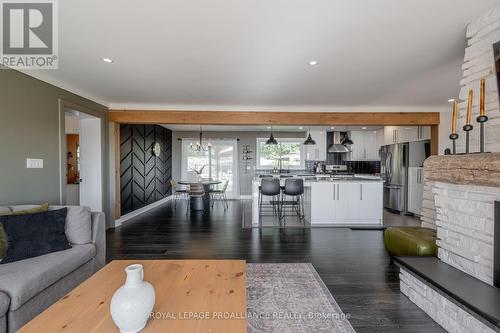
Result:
139,211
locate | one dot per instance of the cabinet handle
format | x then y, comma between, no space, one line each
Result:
338,191
361,191
334,192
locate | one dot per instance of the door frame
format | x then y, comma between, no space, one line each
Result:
63,105
117,116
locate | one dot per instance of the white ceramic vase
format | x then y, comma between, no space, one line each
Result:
133,302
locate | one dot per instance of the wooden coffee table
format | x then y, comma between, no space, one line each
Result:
214,289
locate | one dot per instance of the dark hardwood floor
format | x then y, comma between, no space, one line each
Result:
352,263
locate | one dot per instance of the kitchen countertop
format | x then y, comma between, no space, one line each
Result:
328,178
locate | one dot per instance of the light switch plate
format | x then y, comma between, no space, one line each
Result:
34,163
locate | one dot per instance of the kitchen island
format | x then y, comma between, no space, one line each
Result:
353,201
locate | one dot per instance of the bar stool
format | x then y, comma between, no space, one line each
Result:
294,188
269,186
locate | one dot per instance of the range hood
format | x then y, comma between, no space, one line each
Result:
337,146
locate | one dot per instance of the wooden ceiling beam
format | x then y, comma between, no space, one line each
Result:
272,118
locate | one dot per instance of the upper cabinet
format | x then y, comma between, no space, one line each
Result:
400,134
316,152
365,146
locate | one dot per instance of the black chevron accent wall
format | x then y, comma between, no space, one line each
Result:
144,178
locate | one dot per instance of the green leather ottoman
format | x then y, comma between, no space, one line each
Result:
410,241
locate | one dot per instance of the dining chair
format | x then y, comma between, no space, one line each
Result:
196,191
178,193
220,195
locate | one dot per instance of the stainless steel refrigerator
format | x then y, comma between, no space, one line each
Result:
394,163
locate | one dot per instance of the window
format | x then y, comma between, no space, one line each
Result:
289,151
219,163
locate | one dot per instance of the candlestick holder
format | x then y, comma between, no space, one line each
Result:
481,120
454,138
467,129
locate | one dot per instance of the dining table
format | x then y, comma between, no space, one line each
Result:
207,187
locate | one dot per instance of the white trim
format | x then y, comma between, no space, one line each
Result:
139,211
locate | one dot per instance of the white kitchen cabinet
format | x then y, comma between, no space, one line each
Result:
415,189
396,134
316,152
380,141
322,202
400,134
424,133
365,146
346,203
365,201
358,149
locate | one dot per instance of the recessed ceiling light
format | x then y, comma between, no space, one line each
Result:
451,100
313,62
108,60
363,127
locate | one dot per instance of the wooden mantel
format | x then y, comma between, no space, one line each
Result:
471,169
176,117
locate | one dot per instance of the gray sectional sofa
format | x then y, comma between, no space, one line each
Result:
29,286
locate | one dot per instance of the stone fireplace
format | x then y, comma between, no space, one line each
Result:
461,201
461,191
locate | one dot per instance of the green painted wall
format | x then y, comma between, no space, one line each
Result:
29,127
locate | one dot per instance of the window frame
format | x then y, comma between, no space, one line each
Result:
293,140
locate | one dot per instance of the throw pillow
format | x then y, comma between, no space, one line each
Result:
33,235
7,211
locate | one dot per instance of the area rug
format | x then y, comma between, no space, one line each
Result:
290,298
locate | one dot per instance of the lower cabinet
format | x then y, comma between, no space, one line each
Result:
345,203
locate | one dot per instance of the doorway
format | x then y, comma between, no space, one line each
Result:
83,153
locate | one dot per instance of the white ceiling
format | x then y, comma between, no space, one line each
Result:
225,53
257,128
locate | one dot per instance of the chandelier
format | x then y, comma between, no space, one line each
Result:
199,145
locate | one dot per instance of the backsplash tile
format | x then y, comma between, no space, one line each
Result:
366,167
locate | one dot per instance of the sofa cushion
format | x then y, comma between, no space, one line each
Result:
22,280
29,210
4,210
33,235
8,211
78,222
4,303
410,241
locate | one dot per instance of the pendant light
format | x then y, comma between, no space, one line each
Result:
271,140
199,145
309,140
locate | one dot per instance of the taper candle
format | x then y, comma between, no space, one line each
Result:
469,107
482,97
454,117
